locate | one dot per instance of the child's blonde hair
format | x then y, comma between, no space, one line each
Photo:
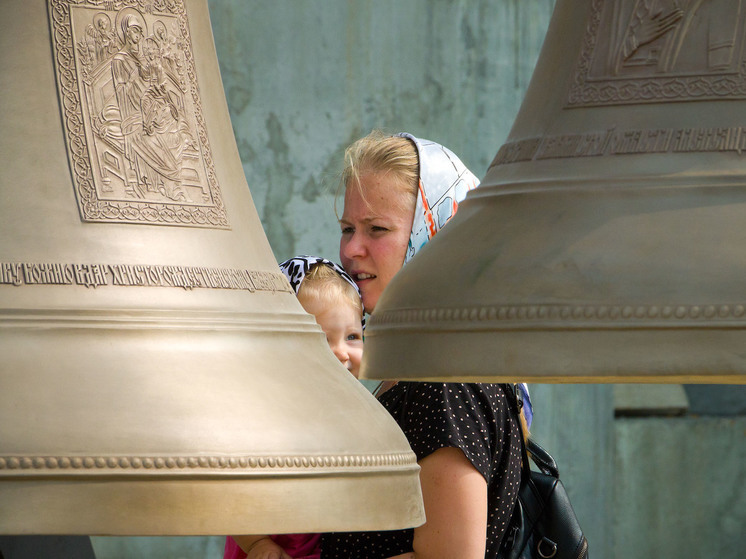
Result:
322,282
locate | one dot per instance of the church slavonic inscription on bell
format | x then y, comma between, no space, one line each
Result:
140,275
647,51
624,142
133,119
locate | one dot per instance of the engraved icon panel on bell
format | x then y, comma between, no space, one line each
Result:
133,116
640,51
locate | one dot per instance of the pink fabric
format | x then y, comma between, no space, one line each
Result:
232,551
298,546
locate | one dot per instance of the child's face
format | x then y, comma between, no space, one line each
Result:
340,321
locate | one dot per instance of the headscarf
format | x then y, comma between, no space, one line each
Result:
443,183
296,268
129,20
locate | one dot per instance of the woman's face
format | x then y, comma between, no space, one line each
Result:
375,232
134,33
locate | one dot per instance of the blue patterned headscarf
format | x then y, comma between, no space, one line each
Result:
444,182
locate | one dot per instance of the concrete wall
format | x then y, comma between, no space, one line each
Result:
575,424
680,488
193,547
305,78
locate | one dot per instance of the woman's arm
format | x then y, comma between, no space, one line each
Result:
455,497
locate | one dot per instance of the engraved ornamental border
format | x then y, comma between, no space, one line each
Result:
616,66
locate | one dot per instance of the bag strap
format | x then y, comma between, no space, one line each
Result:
513,401
535,452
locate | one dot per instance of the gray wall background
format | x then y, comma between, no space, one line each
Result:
303,79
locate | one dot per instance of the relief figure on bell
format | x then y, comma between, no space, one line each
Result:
129,88
100,40
151,117
670,37
170,53
143,126
165,131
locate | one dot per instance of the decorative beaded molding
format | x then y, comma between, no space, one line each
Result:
199,464
606,76
539,315
132,114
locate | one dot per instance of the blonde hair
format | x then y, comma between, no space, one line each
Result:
379,152
323,283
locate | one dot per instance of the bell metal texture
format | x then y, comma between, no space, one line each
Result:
157,374
607,242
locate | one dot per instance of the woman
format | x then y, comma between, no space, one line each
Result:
399,191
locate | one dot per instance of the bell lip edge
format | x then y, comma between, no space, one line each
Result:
330,504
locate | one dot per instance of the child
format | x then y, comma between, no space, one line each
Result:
326,291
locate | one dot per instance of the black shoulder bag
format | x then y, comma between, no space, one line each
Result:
544,524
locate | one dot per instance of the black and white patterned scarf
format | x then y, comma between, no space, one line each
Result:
296,268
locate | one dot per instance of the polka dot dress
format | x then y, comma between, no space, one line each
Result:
472,417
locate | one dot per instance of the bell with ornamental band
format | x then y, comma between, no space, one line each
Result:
157,374
606,242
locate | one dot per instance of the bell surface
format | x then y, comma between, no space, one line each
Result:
157,373
606,242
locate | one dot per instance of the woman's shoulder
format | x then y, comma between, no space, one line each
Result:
447,398
470,416
455,389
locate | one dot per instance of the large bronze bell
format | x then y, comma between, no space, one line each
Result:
157,374
607,242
